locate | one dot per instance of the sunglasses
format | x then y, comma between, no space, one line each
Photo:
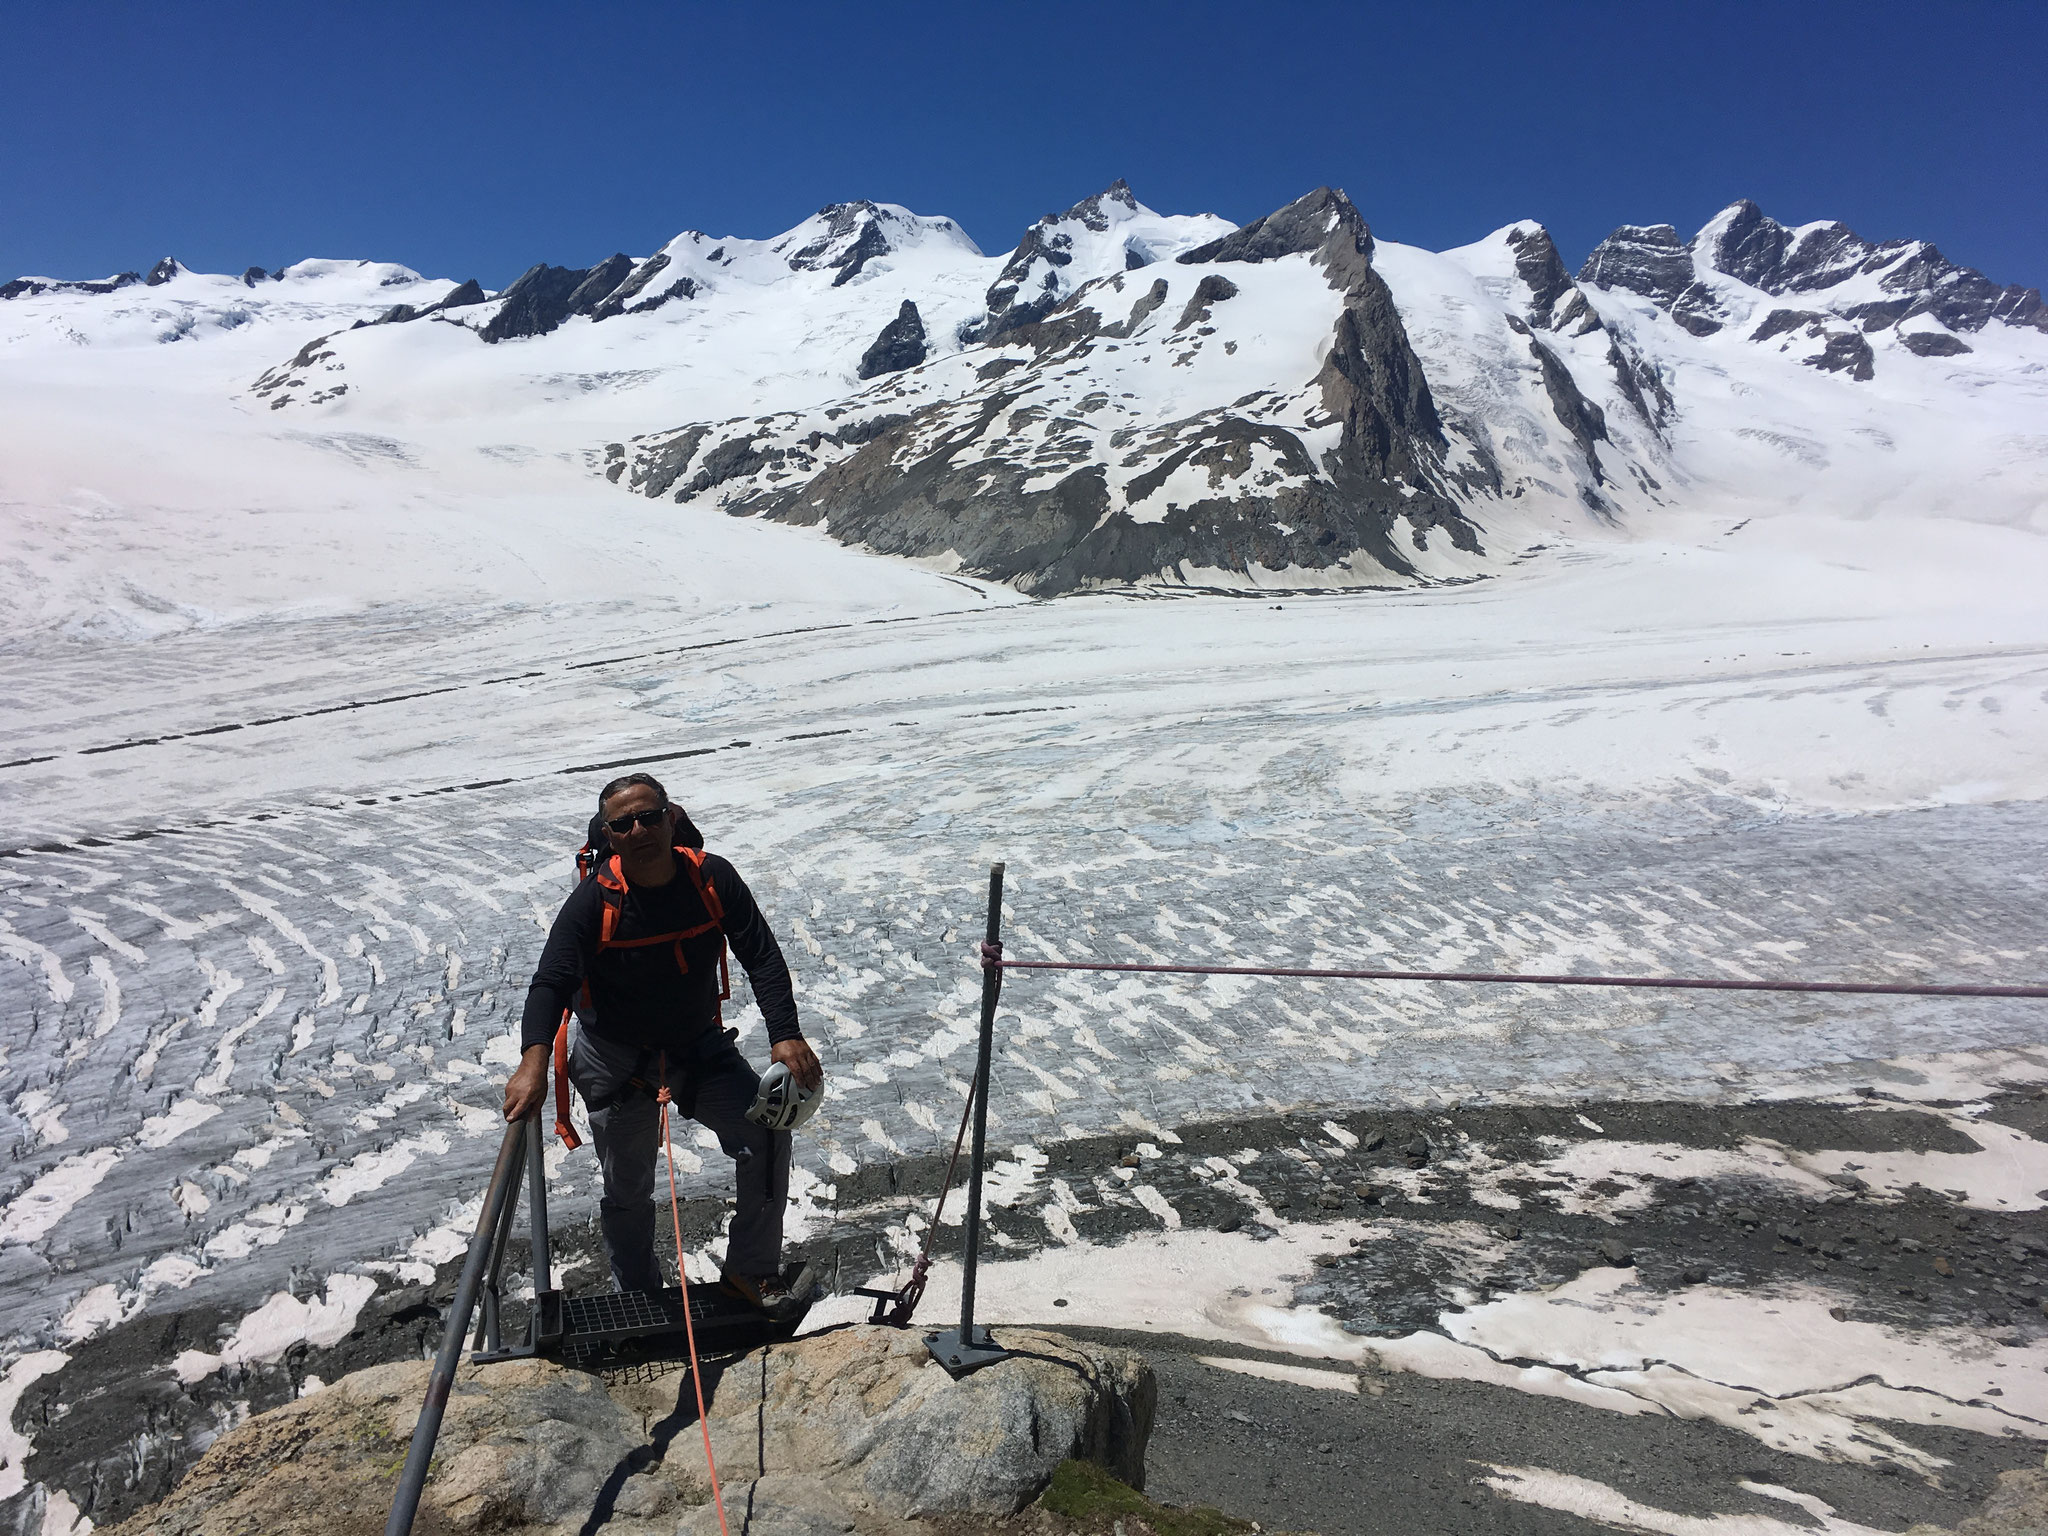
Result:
624,824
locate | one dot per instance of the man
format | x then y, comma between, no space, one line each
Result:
647,1016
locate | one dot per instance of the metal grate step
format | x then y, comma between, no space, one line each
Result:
650,1323
628,1314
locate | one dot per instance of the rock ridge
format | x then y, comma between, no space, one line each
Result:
854,1429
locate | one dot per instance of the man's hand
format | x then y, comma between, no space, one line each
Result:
796,1055
528,1084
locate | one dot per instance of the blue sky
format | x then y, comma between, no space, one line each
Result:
471,140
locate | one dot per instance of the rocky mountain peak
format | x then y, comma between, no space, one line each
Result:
1111,232
1871,285
842,238
1649,260
1325,224
1555,302
165,270
1095,212
1745,242
1641,258
853,237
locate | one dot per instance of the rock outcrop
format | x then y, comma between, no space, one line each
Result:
1651,261
542,297
1913,277
902,344
1835,274
854,1430
31,287
1063,252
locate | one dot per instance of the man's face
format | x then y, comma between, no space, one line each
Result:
634,800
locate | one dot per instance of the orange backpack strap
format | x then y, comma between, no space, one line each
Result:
563,1126
693,863
611,894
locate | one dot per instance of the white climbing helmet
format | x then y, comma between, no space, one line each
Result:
783,1103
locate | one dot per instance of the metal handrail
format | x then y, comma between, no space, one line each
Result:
483,1243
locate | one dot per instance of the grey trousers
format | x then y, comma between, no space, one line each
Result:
714,1090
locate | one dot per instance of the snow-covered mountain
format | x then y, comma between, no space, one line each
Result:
1127,397
174,304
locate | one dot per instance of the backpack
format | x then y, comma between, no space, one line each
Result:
596,861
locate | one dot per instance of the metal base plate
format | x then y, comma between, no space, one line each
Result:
598,1328
960,1356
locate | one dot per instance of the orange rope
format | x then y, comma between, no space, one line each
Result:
683,1279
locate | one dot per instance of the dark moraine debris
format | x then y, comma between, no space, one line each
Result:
866,430
901,344
728,461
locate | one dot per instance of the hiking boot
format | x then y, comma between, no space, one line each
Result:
769,1294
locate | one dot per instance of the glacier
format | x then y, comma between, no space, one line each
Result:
1284,592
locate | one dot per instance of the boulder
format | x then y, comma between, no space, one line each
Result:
868,1410
853,1429
523,1445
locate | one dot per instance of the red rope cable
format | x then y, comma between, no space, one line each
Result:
675,1217
1699,983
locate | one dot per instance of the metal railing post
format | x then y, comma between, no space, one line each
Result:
537,1207
967,1348
412,1479
488,1338
544,1317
